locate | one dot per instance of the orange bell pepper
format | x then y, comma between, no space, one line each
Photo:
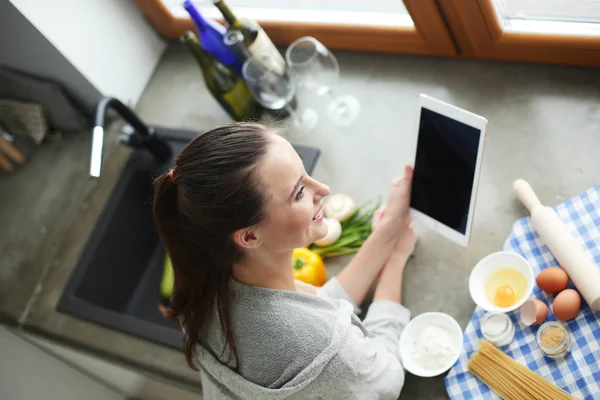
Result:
308,267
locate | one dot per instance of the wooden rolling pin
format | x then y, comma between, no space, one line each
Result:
582,270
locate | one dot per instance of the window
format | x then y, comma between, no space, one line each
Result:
409,26
349,12
567,17
551,10
548,31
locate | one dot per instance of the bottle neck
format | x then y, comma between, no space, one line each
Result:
234,39
199,21
197,51
227,13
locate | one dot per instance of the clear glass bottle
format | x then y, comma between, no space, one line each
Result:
553,340
498,328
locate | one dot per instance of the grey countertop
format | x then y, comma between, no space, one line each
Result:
544,126
39,203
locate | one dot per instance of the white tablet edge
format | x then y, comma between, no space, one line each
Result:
467,118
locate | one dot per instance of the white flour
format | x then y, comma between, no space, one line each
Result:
434,347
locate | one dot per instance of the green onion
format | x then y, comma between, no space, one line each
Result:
355,231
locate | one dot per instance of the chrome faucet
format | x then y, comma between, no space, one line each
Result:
139,135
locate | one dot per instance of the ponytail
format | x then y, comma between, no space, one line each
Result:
195,294
211,193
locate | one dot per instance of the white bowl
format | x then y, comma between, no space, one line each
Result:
492,263
409,335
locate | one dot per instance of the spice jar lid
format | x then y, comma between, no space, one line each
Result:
495,324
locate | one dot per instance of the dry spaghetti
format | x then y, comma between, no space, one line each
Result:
509,379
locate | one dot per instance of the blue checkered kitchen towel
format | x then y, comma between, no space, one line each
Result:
579,372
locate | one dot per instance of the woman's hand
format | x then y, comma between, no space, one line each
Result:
401,194
388,224
399,199
395,215
408,238
377,216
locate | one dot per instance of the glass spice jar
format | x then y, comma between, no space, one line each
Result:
553,340
497,328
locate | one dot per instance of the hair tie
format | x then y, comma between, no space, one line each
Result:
171,175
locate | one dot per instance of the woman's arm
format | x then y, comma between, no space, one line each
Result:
374,359
372,362
389,286
359,275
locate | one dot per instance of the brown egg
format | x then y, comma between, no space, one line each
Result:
566,305
552,280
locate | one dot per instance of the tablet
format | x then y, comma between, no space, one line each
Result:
448,153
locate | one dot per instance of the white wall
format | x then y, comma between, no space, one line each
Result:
108,41
27,372
25,49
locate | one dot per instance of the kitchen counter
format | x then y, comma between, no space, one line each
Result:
544,126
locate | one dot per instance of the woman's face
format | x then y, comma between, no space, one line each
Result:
294,200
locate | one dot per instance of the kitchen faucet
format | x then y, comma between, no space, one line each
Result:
139,135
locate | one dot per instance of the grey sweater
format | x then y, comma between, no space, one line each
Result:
296,345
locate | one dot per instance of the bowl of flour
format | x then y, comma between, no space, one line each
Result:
430,344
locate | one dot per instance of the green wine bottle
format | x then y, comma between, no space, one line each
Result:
227,87
255,38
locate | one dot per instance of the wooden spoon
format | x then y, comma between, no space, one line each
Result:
12,151
5,164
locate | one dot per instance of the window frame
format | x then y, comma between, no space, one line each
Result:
429,36
477,29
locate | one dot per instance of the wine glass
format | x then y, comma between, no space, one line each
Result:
317,69
274,89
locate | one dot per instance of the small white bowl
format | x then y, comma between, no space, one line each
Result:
409,335
492,263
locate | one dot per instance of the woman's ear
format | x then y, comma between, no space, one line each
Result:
247,239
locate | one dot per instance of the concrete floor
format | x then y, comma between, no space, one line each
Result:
544,126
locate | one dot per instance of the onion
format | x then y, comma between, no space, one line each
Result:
339,206
334,231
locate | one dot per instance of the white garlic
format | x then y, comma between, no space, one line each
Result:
334,231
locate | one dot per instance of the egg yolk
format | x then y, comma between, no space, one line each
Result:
505,287
505,296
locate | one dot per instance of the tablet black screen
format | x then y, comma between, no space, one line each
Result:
444,169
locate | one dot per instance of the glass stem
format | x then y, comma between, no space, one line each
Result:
339,106
294,115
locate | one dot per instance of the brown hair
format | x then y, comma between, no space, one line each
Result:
212,192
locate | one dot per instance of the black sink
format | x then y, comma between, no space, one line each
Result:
116,280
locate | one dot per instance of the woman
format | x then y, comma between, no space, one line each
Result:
230,212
